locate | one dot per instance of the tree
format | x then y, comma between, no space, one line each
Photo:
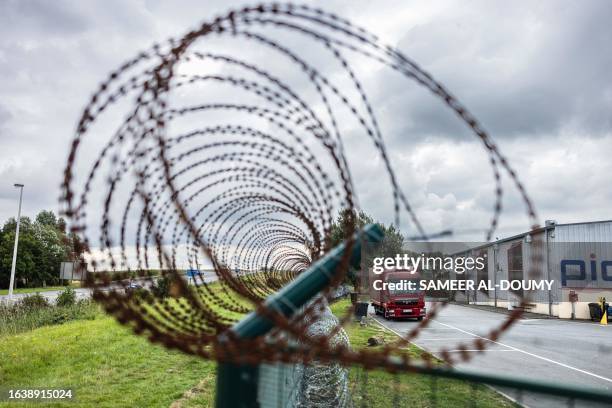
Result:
46,218
391,244
53,252
27,250
43,245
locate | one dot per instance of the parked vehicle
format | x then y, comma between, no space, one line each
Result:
341,292
133,286
395,294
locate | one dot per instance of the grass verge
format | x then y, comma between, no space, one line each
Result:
105,364
35,311
108,366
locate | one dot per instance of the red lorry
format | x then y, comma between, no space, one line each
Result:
394,297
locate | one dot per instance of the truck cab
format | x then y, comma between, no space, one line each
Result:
393,297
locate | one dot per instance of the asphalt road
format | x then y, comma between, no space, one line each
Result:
558,351
83,293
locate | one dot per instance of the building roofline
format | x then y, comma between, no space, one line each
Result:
534,231
584,223
507,239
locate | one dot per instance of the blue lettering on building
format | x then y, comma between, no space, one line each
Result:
581,275
575,269
604,270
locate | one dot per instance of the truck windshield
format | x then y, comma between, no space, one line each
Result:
403,289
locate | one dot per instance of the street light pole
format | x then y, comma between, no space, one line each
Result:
12,282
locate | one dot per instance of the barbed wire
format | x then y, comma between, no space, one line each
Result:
250,186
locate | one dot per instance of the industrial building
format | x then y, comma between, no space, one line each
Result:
577,257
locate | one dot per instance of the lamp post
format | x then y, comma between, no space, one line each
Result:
10,293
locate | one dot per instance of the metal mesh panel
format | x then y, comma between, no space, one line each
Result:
279,385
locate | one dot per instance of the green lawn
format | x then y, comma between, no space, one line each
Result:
103,362
108,366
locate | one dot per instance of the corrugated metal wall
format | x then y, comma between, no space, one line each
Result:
584,245
585,232
589,244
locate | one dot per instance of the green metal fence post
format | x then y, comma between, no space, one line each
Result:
237,383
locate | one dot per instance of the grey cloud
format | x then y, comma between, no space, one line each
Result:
5,117
536,75
57,18
522,70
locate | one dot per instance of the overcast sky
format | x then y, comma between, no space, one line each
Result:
536,74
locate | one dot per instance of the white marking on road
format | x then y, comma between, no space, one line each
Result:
438,329
460,351
443,338
529,354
